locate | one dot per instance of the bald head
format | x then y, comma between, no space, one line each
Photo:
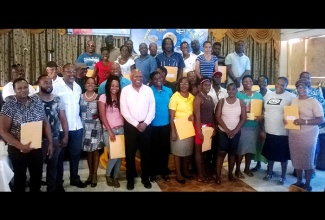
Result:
115,69
153,49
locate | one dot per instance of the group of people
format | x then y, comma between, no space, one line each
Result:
137,99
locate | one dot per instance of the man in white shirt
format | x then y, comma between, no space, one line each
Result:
17,71
137,104
238,65
70,92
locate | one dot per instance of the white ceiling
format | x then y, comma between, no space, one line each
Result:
288,34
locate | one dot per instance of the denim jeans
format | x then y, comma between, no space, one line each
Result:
74,148
51,163
116,162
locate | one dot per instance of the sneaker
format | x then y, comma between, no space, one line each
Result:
281,181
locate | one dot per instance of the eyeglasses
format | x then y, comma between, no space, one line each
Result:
71,71
90,45
184,84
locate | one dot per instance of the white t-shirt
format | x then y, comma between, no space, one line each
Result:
8,90
273,114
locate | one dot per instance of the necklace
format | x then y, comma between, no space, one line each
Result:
90,96
206,97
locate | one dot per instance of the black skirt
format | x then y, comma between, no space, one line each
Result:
276,148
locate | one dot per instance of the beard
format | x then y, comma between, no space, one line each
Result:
47,91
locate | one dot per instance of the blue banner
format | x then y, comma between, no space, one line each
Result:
147,36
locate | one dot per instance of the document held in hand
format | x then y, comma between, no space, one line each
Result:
290,114
207,134
117,148
184,128
171,73
256,107
32,132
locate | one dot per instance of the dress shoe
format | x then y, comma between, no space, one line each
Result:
59,189
94,180
88,181
146,184
78,183
109,181
153,179
130,185
189,177
268,177
116,183
166,178
307,188
181,181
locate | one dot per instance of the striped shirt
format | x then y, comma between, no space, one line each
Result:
207,66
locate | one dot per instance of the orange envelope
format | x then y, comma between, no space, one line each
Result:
207,134
290,114
32,131
184,128
89,73
171,73
256,107
117,148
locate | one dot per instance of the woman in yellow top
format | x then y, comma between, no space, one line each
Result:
181,105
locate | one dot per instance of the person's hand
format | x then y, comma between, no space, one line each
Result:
142,126
50,150
64,142
111,136
173,136
191,118
26,148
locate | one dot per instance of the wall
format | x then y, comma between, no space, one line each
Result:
302,50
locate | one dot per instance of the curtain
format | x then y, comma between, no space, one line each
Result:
31,48
262,47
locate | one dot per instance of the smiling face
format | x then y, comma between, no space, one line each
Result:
115,87
157,80
247,83
184,85
206,86
280,86
69,73
136,78
45,84
90,84
21,89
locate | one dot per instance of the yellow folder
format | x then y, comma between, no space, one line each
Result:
256,107
184,128
32,132
89,73
207,134
117,148
171,73
290,114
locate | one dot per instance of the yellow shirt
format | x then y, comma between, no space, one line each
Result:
183,107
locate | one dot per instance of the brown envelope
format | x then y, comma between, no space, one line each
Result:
117,148
89,73
290,114
207,134
32,131
184,128
171,73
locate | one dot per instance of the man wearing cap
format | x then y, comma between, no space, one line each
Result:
81,69
217,93
90,57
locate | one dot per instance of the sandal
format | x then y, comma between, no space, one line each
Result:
231,178
249,173
240,175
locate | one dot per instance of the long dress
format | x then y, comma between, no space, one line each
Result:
302,143
93,134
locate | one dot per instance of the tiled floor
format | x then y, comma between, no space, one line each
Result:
249,184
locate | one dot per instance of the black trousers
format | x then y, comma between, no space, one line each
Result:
135,140
20,162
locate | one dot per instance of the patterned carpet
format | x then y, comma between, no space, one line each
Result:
195,186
